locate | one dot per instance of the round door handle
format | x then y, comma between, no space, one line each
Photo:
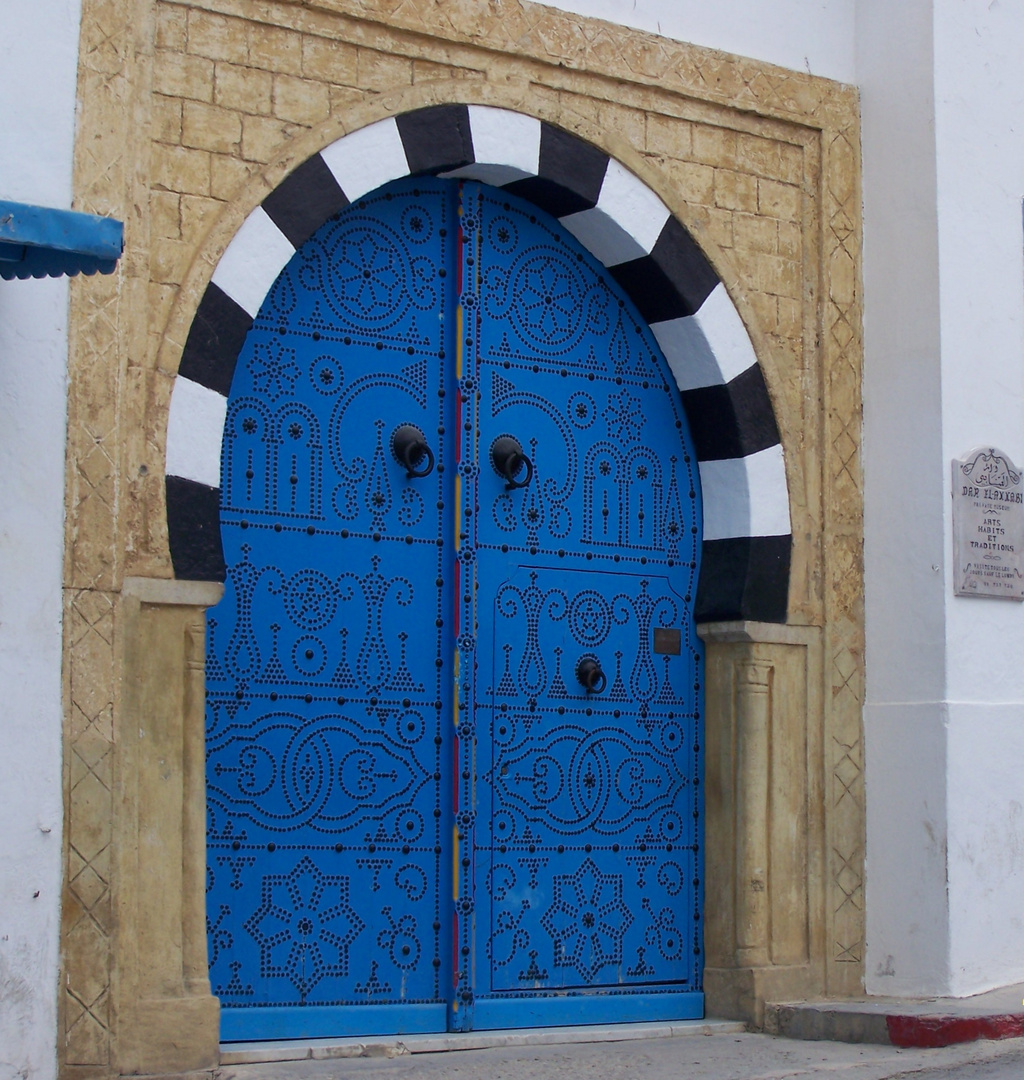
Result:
590,676
409,445
508,460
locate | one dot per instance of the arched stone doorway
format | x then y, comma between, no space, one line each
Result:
763,168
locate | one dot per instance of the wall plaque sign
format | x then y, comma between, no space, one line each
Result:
988,525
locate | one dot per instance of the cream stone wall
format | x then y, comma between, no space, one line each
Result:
191,113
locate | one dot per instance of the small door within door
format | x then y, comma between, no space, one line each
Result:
453,686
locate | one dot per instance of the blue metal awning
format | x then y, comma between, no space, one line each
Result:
36,241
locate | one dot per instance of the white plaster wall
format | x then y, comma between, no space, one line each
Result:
38,58
808,35
980,157
943,141
980,164
907,814
986,846
905,494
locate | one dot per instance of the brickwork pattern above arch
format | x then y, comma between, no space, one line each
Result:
747,537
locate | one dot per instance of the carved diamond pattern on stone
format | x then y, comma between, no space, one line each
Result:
848,954
842,332
88,887
88,978
844,568
848,878
846,447
98,470
87,1029
91,753
88,835
847,772
846,675
96,611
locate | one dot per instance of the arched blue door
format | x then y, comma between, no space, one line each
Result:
453,733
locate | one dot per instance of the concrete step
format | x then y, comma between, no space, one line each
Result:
902,1022
395,1045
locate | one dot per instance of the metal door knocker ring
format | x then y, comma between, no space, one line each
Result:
508,460
409,445
590,676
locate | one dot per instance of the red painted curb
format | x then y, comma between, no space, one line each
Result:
931,1031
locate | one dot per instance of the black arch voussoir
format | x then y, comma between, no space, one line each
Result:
570,177
304,200
193,524
732,420
673,280
214,341
436,139
745,577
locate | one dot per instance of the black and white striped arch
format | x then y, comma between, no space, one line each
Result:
746,551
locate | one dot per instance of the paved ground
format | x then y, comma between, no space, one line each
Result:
712,1057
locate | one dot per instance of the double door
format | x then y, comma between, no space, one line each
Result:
453,750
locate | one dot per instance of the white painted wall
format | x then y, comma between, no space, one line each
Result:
38,60
980,166
943,138
807,35
905,555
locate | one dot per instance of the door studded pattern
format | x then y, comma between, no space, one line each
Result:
453,733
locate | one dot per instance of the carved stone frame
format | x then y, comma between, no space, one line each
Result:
785,817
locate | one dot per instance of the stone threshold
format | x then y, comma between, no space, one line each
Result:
903,1022
396,1045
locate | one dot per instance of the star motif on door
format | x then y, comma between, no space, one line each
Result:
304,926
625,417
587,920
547,298
368,277
310,599
273,374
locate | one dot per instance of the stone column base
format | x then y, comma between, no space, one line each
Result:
741,993
176,1035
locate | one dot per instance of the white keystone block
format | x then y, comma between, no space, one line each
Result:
506,146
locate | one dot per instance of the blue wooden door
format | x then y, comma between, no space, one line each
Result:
453,686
